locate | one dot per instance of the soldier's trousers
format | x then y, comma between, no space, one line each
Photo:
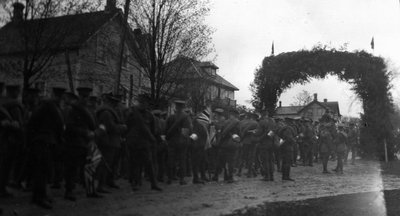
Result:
162,159
41,157
340,156
226,162
105,172
198,162
295,153
287,157
267,162
142,158
75,158
177,157
249,156
325,159
308,154
278,158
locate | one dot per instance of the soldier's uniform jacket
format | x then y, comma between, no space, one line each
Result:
288,134
308,135
246,127
16,111
108,117
79,122
266,125
229,128
325,140
352,137
178,129
341,141
201,131
141,129
46,124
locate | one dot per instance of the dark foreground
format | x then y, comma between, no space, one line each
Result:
367,188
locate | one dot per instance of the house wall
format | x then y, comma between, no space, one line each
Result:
88,69
315,112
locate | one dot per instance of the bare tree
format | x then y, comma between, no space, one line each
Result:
170,29
302,98
39,40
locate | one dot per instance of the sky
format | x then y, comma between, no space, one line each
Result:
245,30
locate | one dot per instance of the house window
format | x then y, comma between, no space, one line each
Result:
100,50
125,58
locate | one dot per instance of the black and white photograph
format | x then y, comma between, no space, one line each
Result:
199,107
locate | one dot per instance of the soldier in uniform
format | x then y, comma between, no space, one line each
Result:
352,143
266,134
141,141
45,129
13,137
228,144
288,135
341,142
308,143
325,142
247,129
178,129
80,130
109,143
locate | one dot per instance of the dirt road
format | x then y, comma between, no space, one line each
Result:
220,198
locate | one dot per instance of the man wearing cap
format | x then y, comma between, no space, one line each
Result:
110,142
217,121
45,131
341,143
178,130
308,143
228,144
325,140
266,133
141,142
14,137
288,136
162,147
247,129
352,143
80,127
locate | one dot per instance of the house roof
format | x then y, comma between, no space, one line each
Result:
331,105
69,31
288,110
194,68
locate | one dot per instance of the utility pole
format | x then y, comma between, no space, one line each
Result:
122,46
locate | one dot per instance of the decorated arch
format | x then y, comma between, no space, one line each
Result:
368,75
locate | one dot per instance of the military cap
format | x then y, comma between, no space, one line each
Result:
84,91
58,91
164,113
156,112
219,110
179,102
352,124
289,118
340,125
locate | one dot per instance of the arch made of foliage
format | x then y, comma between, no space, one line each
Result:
367,74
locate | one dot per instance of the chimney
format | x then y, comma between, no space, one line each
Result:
18,12
325,100
315,97
280,103
111,6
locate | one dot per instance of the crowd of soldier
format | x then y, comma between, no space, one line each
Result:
94,140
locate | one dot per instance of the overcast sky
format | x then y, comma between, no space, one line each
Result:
245,30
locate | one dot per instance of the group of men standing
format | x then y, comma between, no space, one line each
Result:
92,140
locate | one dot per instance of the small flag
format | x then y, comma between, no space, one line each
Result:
272,48
372,43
